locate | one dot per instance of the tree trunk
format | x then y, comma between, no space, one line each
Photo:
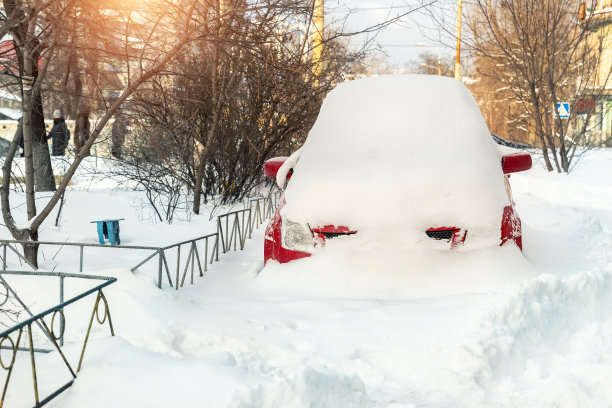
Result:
30,250
82,131
211,133
44,179
563,155
78,84
540,131
43,173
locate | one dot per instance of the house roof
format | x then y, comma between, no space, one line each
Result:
10,114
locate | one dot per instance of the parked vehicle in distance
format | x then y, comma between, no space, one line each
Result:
406,160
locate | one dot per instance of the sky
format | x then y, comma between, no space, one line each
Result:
405,39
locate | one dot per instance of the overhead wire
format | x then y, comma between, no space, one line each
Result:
344,8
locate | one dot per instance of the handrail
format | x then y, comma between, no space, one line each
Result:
244,221
188,241
242,226
40,315
8,343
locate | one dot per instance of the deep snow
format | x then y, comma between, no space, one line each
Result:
478,337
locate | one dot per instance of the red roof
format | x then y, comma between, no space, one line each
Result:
8,58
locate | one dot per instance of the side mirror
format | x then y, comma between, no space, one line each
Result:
271,166
513,163
282,167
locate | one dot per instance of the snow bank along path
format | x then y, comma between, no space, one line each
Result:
232,340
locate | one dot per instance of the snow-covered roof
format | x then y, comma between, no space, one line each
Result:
8,96
402,153
14,114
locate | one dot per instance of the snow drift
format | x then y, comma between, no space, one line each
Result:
393,156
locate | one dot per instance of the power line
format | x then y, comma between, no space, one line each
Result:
401,44
359,9
382,8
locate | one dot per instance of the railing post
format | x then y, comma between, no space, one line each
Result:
259,215
218,231
159,268
81,247
206,254
33,363
243,233
178,265
193,249
235,230
226,244
250,225
220,239
62,314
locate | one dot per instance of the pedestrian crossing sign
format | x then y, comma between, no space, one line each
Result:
564,110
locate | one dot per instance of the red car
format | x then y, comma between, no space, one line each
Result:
446,189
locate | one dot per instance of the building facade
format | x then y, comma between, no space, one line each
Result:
596,15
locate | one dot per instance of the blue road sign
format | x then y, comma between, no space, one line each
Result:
564,110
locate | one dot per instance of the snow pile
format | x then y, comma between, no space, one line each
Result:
295,337
343,270
545,344
215,380
393,156
463,333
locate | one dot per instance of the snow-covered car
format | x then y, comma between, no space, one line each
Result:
395,161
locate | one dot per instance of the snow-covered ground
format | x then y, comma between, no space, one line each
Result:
290,337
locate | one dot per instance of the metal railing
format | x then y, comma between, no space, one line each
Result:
7,244
261,209
240,229
163,262
193,256
51,332
233,229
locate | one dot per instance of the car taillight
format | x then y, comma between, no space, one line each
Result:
455,236
296,236
330,231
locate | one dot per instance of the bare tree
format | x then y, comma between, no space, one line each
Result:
541,53
24,25
218,38
233,105
431,63
504,114
43,24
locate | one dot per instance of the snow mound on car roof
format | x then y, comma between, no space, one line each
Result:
393,156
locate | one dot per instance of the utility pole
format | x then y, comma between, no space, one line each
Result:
458,55
317,43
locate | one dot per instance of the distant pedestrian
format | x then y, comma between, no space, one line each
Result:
118,133
60,135
81,130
